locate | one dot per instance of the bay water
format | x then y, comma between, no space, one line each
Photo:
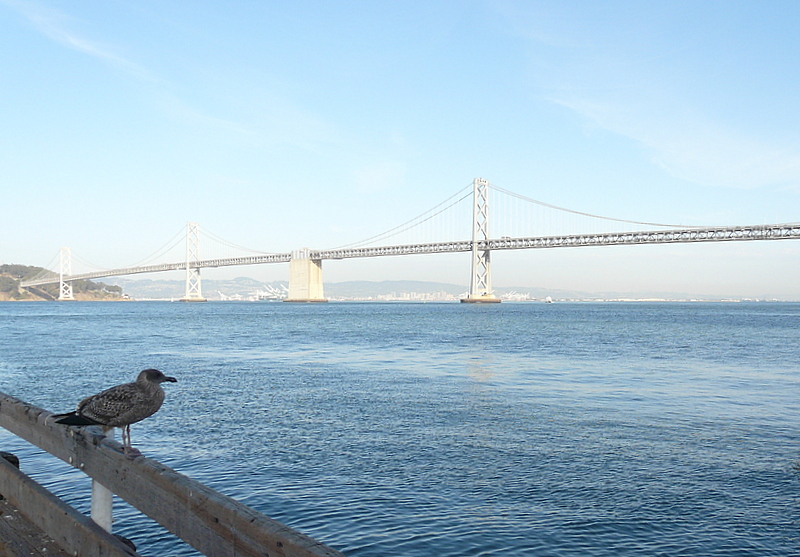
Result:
591,429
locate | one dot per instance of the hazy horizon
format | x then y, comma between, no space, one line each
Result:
175,287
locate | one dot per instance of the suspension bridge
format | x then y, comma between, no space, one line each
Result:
523,223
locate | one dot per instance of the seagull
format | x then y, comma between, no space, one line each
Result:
121,406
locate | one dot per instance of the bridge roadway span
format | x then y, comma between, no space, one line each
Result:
682,235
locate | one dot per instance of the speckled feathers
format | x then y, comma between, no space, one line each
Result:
121,405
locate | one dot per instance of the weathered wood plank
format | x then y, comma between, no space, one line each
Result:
19,537
212,523
74,532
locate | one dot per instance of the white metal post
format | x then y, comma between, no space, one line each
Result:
103,501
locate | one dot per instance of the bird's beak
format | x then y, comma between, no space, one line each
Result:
170,379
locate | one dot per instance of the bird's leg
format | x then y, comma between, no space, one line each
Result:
130,452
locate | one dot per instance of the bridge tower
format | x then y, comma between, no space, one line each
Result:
192,293
65,269
480,286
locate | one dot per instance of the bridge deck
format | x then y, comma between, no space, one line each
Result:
670,236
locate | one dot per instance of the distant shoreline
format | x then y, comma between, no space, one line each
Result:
399,301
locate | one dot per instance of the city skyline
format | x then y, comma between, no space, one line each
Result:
279,127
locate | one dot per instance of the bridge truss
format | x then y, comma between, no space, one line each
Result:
687,235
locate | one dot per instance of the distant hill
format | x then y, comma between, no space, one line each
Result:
11,275
246,288
160,289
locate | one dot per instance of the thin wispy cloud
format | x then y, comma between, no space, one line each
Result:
260,115
661,85
692,147
57,26
263,116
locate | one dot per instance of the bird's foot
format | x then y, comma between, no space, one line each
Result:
132,452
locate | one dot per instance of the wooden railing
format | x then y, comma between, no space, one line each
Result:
213,523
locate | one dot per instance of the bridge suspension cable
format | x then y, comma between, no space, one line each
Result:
48,270
177,239
87,263
516,221
581,213
416,221
228,244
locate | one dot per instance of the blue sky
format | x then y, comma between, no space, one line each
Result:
281,125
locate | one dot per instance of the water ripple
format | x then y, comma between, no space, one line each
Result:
418,430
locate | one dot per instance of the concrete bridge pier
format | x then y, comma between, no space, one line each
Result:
305,278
